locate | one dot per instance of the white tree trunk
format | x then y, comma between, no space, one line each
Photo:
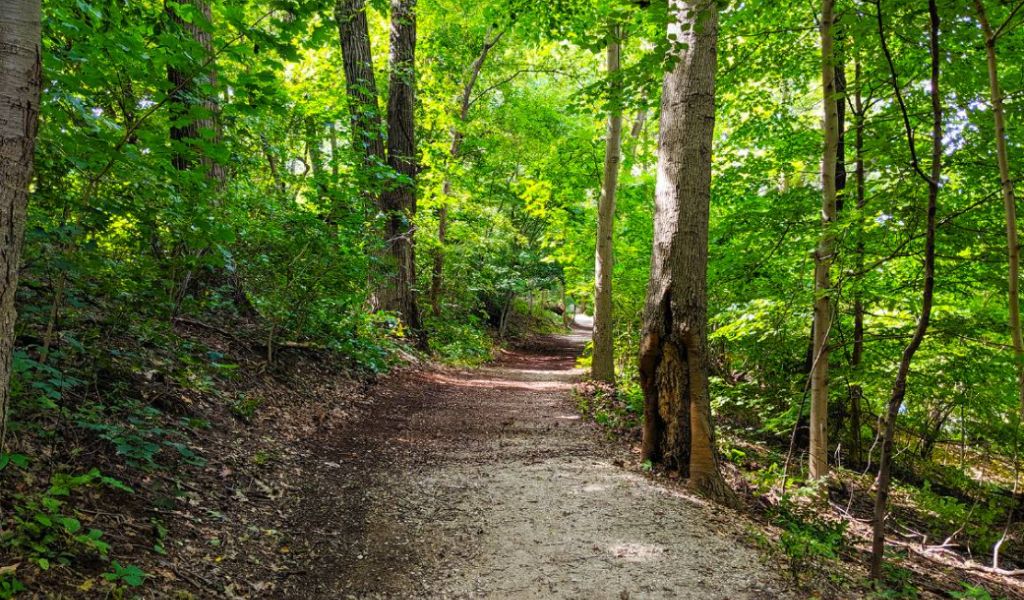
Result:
602,367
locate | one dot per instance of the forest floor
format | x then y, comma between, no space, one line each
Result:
487,483
431,482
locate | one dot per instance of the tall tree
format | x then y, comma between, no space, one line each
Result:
395,287
823,255
398,201
856,391
192,81
673,359
602,367
457,134
20,80
360,82
899,388
1009,197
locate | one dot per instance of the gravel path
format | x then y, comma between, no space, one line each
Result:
486,484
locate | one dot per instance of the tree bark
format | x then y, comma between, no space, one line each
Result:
20,80
856,390
678,430
437,271
398,202
838,410
899,388
394,288
823,255
602,367
185,131
360,83
316,160
366,129
1009,201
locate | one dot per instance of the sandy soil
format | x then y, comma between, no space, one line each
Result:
486,483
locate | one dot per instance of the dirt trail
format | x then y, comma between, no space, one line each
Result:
486,483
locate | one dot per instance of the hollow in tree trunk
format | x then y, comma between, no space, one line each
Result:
673,361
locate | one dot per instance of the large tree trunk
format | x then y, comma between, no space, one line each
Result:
186,131
437,272
1009,200
673,354
367,133
360,83
823,255
394,287
899,388
20,80
398,202
602,366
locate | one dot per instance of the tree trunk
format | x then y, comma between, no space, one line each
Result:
899,388
20,80
367,132
1009,201
856,390
673,352
360,83
823,256
437,272
837,412
602,367
398,202
437,268
635,133
394,288
186,131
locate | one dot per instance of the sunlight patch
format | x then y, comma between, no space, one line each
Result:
633,552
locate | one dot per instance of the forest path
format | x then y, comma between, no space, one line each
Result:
486,483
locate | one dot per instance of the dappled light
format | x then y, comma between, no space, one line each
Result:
634,552
511,299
